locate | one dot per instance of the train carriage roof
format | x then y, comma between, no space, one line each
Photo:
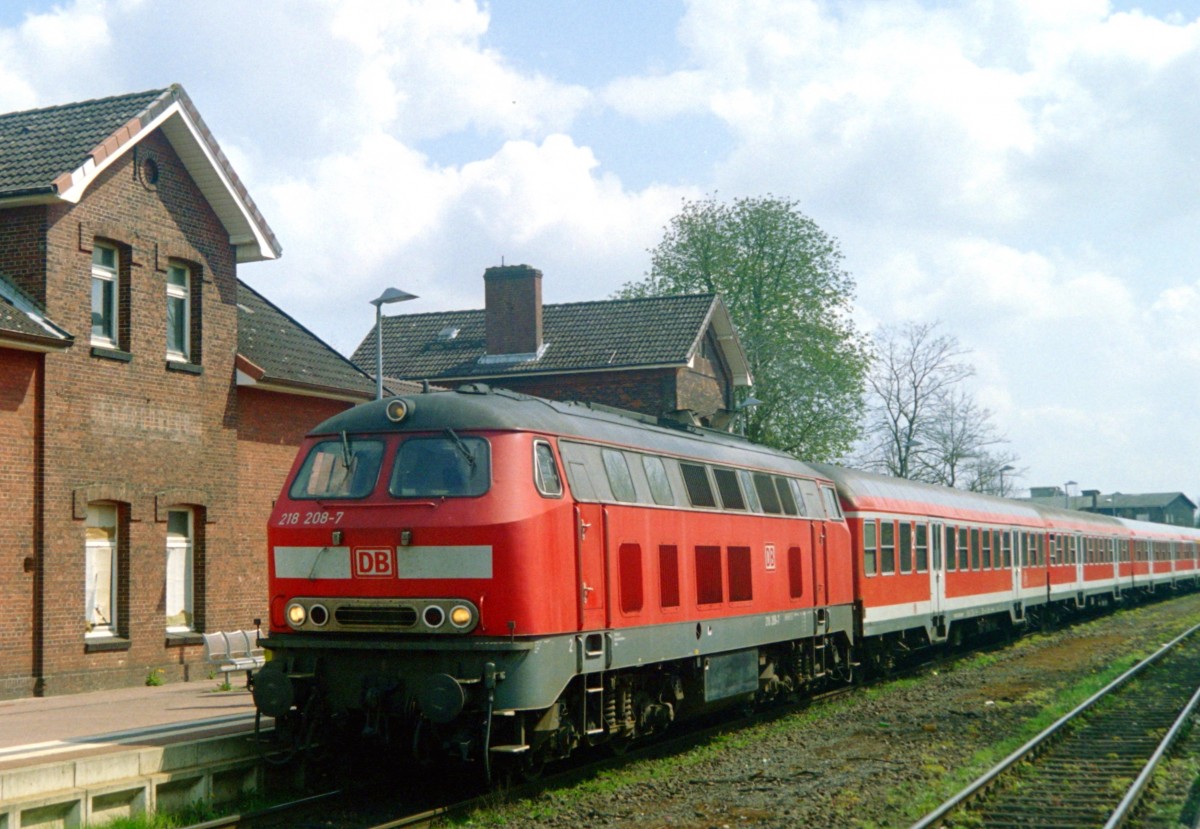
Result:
475,407
867,491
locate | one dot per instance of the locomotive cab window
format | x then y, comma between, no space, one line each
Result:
545,470
339,468
441,467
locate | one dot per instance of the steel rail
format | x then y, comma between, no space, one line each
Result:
986,779
1133,795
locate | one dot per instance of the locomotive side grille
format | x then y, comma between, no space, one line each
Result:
359,616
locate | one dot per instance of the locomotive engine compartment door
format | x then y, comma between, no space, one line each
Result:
590,541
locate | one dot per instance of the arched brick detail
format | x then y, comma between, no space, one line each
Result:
168,498
119,492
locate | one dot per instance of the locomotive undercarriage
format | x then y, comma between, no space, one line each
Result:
318,702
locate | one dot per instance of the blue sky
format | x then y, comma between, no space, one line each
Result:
1022,171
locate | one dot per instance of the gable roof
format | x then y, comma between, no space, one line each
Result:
24,325
54,154
604,335
279,354
1117,500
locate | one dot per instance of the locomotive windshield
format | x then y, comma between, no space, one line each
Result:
339,468
443,466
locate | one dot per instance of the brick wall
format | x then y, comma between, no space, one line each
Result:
272,426
20,387
133,431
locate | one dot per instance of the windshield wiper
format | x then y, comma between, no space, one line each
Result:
462,447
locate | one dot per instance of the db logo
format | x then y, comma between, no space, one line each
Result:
373,562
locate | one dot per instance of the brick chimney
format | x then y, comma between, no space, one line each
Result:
513,296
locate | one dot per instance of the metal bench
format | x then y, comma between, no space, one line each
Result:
234,651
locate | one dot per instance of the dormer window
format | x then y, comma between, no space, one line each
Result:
105,291
448,333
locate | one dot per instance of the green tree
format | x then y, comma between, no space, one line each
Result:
782,279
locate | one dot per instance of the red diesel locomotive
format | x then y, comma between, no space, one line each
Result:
485,576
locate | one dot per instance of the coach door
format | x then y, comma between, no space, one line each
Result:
590,527
937,570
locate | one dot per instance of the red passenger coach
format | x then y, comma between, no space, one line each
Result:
479,575
933,563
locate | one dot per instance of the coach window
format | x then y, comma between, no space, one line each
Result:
786,498
668,575
660,484
180,528
975,548
887,547
964,548
619,478
870,547
741,586
922,548
951,558
545,470
629,565
695,479
768,495
986,544
906,554
710,587
1006,540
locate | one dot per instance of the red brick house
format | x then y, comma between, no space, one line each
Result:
150,402
673,356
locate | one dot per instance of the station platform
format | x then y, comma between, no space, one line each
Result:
74,759
34,730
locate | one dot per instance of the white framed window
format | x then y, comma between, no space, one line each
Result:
179,312
100,570
106,285
180,544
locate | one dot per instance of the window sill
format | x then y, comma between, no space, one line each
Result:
184,368
106,353
181,638
105,644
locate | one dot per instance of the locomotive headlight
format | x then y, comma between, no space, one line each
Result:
460,616
296,614
397,409
434,616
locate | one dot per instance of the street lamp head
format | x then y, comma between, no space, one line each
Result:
392,295
749,403
1007,468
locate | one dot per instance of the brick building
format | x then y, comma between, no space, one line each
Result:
675,356
150,402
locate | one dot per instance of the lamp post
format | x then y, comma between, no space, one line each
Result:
1003,469
1067,493
386,298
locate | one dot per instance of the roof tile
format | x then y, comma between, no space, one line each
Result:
578,336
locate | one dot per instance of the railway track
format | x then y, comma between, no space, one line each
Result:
1092,766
